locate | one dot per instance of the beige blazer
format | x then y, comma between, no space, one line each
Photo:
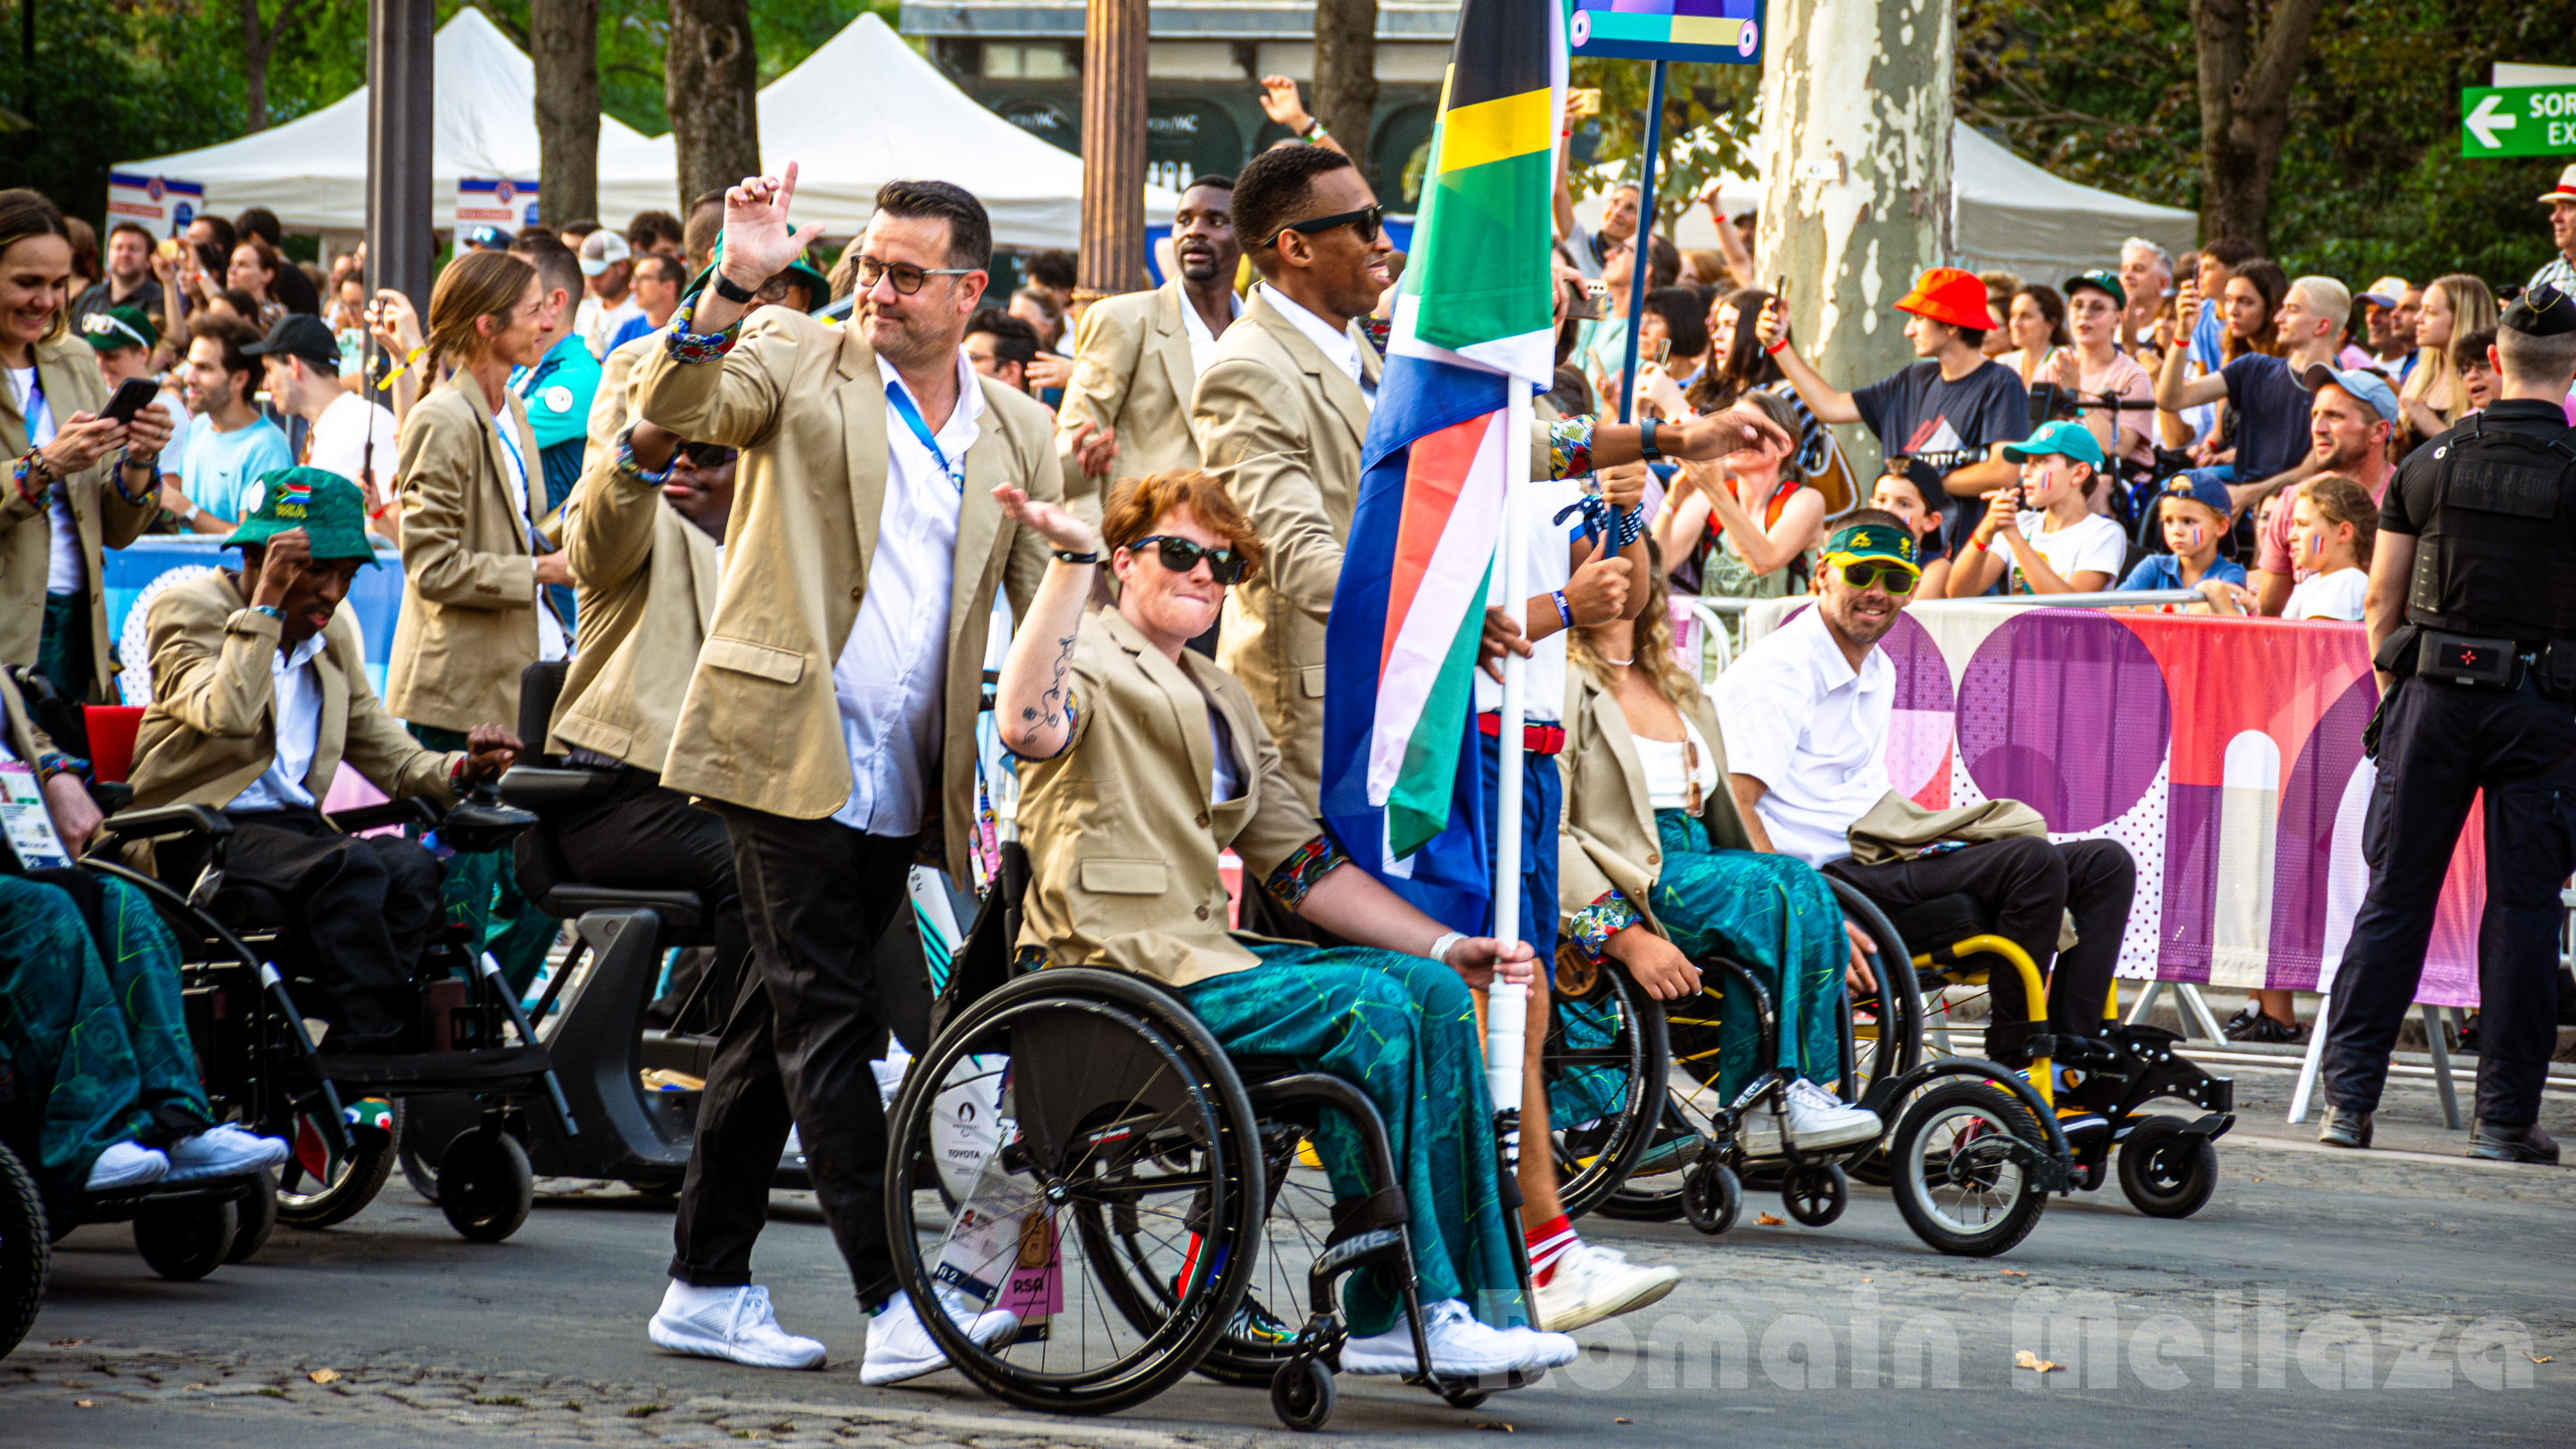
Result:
645,578
212,726
68,372
1606,834
469,608
612,403
759,726
1132,372
1122,836
18,725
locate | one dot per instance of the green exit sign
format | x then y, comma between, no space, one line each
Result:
2517,120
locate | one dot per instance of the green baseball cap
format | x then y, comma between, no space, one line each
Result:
115,327
1860,542
2064,437
329,508
2100,279
818,288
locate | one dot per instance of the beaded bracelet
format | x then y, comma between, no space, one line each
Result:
33,474
688,346
627,463
123,461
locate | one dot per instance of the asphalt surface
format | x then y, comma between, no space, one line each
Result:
2320,1298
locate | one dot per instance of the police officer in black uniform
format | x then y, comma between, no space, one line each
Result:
2472,614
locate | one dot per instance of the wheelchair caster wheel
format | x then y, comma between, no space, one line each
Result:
1466,1398
1815,1192
2167,1172
1301,1394
255,1217
184,1241
484,1185
1711,1196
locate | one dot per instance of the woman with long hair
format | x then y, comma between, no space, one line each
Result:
253,268
2035,323
1738,365
2434,396
78,483
2247,303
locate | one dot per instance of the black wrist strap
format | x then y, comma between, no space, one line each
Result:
1646,448
726,289
1069,556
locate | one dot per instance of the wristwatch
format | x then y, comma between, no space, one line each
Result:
725,288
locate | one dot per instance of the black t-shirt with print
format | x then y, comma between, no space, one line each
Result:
1944,426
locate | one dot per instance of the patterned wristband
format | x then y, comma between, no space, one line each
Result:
627,463
1608,915
1564,614
687,345
1569,448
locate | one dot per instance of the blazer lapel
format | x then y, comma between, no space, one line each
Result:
1338,388
1187,700
982,542
1174,344
335,716
13,419
863,435
497,462
1610,722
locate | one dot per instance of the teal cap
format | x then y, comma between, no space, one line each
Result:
2064,437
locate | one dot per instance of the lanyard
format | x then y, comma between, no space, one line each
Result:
901,401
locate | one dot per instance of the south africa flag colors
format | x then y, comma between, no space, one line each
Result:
1400,787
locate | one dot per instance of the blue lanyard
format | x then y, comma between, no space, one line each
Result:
902,404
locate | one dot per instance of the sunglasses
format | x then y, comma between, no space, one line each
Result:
906,277
1366,219
1895,578
707,455
1181,555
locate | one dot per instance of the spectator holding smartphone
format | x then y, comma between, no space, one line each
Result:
2058,544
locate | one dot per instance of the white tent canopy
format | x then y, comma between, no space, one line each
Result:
866,109
2005,212
312,171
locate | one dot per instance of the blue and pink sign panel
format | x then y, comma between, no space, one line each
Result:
1711,32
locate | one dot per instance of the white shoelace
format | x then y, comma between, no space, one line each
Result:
751,1302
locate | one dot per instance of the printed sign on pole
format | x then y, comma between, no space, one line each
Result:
2517,120
506,202
1711,32
164,205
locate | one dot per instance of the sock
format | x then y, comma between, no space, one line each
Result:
1548,1242
686,1298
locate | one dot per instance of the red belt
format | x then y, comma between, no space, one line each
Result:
1538,739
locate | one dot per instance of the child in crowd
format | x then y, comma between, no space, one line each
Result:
2477,375
2193,517
1899,494
2333,527
2059,545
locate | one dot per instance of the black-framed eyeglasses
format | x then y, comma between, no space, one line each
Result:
1181,555
907,278
707,455
1895,578
1366,219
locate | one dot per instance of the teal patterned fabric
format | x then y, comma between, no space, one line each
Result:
1776,915
91,1028
482,892
1402,1029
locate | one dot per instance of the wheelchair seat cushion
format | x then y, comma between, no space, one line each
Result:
679,910
1941,921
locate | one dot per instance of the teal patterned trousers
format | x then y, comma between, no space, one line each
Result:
482,893
1403,1030
1774,914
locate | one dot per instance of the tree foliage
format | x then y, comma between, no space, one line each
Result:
1707,129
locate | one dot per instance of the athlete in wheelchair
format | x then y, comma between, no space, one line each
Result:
1142,762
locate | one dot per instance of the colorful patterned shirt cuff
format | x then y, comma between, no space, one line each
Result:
1305,866
692,346
1607,916
1569,448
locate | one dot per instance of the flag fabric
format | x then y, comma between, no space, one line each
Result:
1475,318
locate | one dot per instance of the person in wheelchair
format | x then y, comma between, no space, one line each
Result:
259,693
1807,713
1657,870
1143,761
102,1092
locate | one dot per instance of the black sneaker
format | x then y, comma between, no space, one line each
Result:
2520,1142
2253,1025
2342,1128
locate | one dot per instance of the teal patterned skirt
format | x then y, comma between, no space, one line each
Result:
1774,914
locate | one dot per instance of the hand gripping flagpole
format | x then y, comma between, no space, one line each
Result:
1506,1003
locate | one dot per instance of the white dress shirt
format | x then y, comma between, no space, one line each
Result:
1339,347
892,676
1202,341
295,697
1797,718
550,635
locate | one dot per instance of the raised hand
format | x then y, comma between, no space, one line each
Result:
758,240
1050,522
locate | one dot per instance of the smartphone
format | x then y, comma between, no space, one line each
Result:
1584,103
132,396
1662,349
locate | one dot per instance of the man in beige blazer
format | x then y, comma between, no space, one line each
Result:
831,719
259,693
1136,358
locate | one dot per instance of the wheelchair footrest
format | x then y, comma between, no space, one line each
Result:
120,1206
495,1069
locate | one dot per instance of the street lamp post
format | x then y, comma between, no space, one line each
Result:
400,243
1113,149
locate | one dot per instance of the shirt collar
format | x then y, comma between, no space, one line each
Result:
970,395
1195,326
1831,667
301,655
1338,347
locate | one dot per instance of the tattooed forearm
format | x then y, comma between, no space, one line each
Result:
1049,709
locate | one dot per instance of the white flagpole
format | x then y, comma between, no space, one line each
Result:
1507,1006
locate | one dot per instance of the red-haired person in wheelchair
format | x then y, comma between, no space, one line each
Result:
259,694
102,1087
1135,750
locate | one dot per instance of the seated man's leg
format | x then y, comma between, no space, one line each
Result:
2101,884
343,888
646,837
2020,880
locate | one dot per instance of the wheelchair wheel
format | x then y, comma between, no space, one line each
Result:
314,1193
1301,1394
1957,1167
1815,1193
1711,1197
255,1217
1120,1215
1605,1061
484,1185
2167,1172
184,1241
26,1251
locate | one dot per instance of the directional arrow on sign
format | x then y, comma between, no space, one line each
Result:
2486,120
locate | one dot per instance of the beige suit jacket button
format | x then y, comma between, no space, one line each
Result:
1203,913
1654,858
1203,820
855,591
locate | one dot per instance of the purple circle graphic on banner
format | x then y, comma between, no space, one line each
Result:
1918,746
2065,711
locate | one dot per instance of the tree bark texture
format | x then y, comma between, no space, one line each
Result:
563,41
1856,167
1346,74
711,89
1112,258
2245,84
259,41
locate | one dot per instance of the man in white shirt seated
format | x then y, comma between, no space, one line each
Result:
1807,711
259,692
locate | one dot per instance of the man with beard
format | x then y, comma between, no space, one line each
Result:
1137,358
2349,425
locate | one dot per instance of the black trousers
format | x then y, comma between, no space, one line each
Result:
644,837
368,904
2028,883
817,895
2439,745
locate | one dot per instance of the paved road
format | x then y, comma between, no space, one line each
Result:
2321,1298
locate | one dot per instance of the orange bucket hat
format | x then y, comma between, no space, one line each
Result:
1947,294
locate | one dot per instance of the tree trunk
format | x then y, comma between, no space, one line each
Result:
1346,74
711,89
1856,195
563,41
2245,84
1112,259
258,43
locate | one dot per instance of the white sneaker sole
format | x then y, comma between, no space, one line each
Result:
989,1328
1842,1136
689,1341
1648,1287
1369,1364
127,1181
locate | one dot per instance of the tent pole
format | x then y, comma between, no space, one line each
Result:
400,241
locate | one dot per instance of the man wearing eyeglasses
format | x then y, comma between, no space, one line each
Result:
831,717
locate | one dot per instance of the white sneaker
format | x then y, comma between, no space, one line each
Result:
1818,1118
1459,1345
1592,1283
127,1164
736,1324
900,1347
224,1151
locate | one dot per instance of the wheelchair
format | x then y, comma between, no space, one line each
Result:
1148,1205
